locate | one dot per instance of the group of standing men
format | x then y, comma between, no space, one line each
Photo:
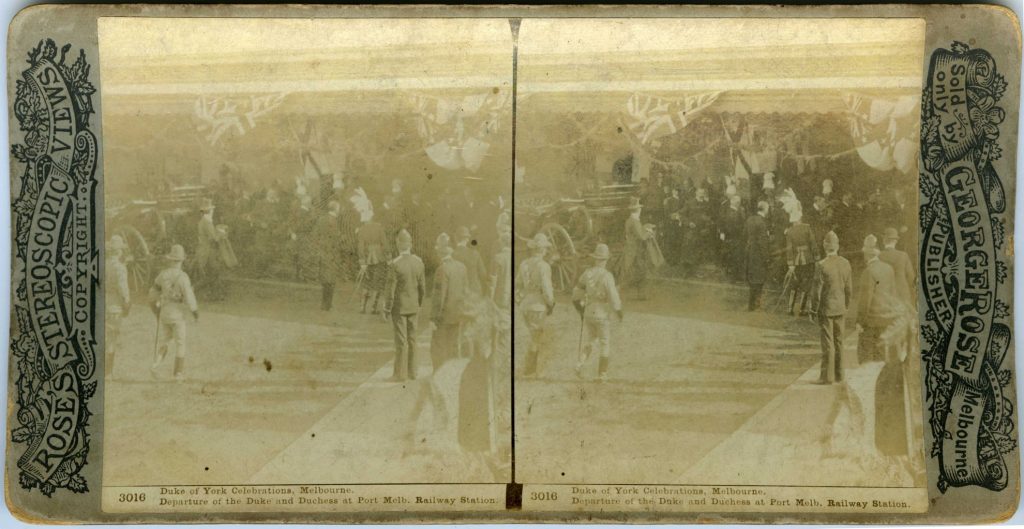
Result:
886,321
595,297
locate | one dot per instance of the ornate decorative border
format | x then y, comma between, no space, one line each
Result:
55,270
963,267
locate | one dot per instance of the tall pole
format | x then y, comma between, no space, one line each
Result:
514,27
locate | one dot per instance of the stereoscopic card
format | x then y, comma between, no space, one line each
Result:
736,264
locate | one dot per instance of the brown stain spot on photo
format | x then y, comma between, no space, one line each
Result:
267,365
251,359
495,90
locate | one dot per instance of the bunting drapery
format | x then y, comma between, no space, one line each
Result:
219,117
885,130
650,117
455,130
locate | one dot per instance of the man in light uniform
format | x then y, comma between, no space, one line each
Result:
595,298
172,299
407,287
118,299
536,299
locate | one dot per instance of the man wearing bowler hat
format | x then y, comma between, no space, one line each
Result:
172,300
877,306
448,299
901,265
469,256
536,298
596,298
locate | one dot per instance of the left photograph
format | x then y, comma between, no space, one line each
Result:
307,251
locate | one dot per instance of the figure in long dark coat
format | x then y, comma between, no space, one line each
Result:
636,261
756,231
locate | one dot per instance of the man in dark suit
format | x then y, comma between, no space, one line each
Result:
830,299
730,232
845,216
800,253
901,265
448,303
406,296
756,231
469,256
877,306
327,237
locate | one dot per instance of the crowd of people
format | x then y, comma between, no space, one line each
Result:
702,222
442,253
776,240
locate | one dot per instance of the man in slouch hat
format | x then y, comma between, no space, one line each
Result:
596,298
172,300
536,299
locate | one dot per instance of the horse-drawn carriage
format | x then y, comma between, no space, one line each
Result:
150,227
575,226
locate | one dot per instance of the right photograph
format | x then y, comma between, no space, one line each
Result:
716,245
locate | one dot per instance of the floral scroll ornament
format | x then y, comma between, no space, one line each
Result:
963,222
55,270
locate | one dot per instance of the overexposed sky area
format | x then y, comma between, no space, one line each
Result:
141,37
542,36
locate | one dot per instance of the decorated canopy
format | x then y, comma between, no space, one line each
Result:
735,97
306,99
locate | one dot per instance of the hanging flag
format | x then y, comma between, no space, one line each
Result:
455,131
885,131
652,117
313,153
219,117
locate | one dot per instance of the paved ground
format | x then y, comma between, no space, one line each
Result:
700,391
261,371
280,392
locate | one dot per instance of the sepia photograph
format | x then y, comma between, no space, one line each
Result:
308,250
716,242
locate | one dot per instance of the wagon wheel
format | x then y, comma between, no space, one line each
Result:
562,257
579,223
137,258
